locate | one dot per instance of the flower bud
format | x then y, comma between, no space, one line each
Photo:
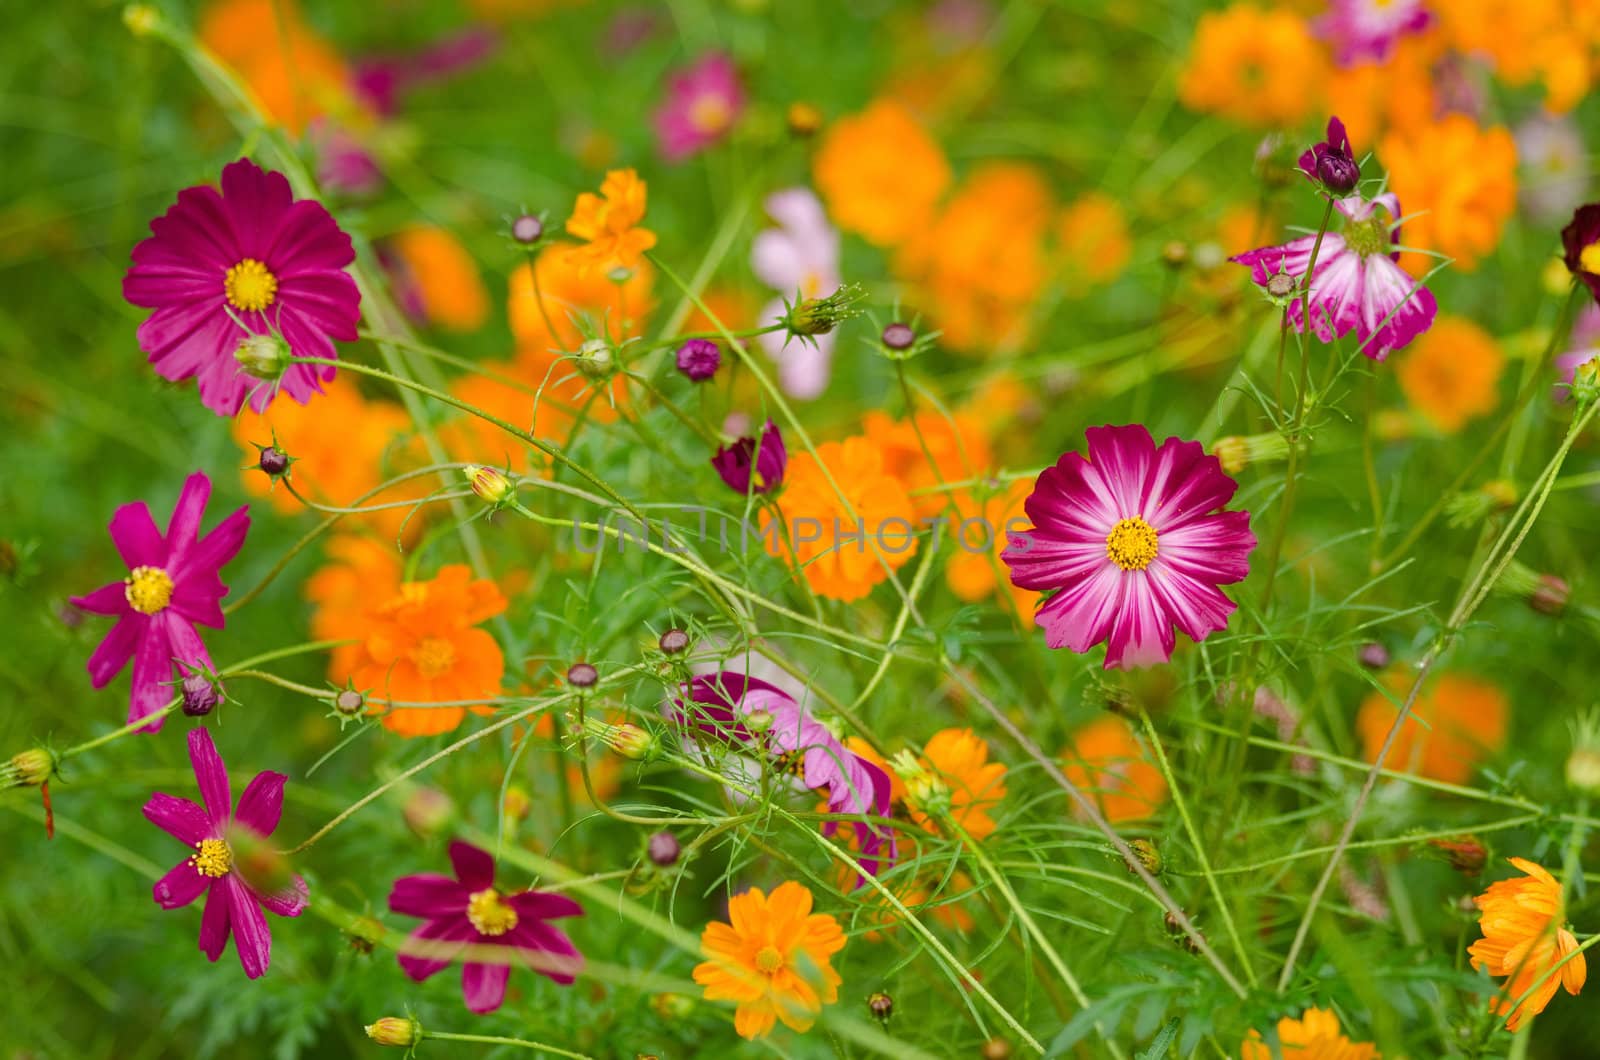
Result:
491,485
141,19
1338,173
1145,850
428,811
518,803
881,1006
699,359
1466,854
1237,452
804,119
1373,656
527,229
264,357
1281,285
1586,382
200,695
674,642
672,1006
927,791
664,849
348,702
273,461
996,1049
630,741
392,1030
596,360
1583,770
1549,597
898,336
1175,254
758,721
28,769
818,316
582,675
753,464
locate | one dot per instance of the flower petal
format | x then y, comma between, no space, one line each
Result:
152,674
262,803
211,775
183,820
474,867
431,896
183,529
251,935
181,886
537,905
436,943
291,901
216,922
484,986
134,533
114,651
560,962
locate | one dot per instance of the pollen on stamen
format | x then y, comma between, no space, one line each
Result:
213,857
489,913
250,286
1132,544
148,590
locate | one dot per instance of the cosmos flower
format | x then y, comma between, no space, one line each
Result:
609,223
1456,721
467,918
748,711
220,268
1452,373
1580,242
880,173
799,259
1314,1036
1259,67
1553,167
1134,540
232,865
1524,937
753,464
1460,181
1359,285
968,786
701,106
1331,163
772,959
1361,30
172,585
1106,761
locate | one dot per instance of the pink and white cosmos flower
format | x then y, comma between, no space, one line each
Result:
798,259
1362,30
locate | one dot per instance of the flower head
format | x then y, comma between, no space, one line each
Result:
1106,761
1261,68
468,919
958,780
1452,373
1361,30
753,464
699,359
701,106
1331,163
772,959
1358,286
1460,179
172,585
230,864
1454,723
880,173
423,645
221,267
435,278
1525,937
1134,540
797,259
608,222
1580,241
1314,1036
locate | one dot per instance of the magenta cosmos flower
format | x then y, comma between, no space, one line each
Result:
744,710
232,864
1133,542
701,106
1359,285
1332,163
1362,30
172,584
468,918
754,463
251,260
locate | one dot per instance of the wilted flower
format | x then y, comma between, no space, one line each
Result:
1581,242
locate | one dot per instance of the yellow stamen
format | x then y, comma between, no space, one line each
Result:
213,858
769,959
249,286
434,656
148,589
1131,544
1589,260
489,913
710,114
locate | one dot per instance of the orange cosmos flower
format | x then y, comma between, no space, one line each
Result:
359,572
1466,719
880,173
1457,183
772,959
294,74
955,444
1452,373
842,555
959,759
422,646
1524,937
1260,68
343,446
976,571
980,265
1094,241
1107,761
1552,41
609,222
443,276
1314,1036
474,440
1395,95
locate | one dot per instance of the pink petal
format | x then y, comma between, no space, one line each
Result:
117,648
1080,616
183,642
1185,483
308,239
561,963
1122,456
445,938
431,896
180,818
211,775
255,201
776,260
1070,502
216,922
183,529
251,936
290,902
109,599
152,686
484,986
1141,634
474,867
1194,606
1044,563
181,886
261,805
134,534
1214,549
537,905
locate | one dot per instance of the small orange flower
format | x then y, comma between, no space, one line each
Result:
445,276
976,571
1397,95
1457,183
360,572
609,222
1260,68
1524,937
1314,1036
1452,373
955,445
474,440
1466,719
959,758
880,173
1107,761
1094,240
422,646
842,557
1552,41
294,74
772,959
343,446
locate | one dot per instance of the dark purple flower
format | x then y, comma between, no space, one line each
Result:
1331,162
344,165
220,267
172,584
752,466
1359,285
231,864
1581,241
699,359
1361,30
701,106
467,918
200,695
736,708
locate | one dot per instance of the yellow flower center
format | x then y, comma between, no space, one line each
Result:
1131,544
434,656
710,113
249,286
769,959
489,914
213,857
1589,260
148,589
